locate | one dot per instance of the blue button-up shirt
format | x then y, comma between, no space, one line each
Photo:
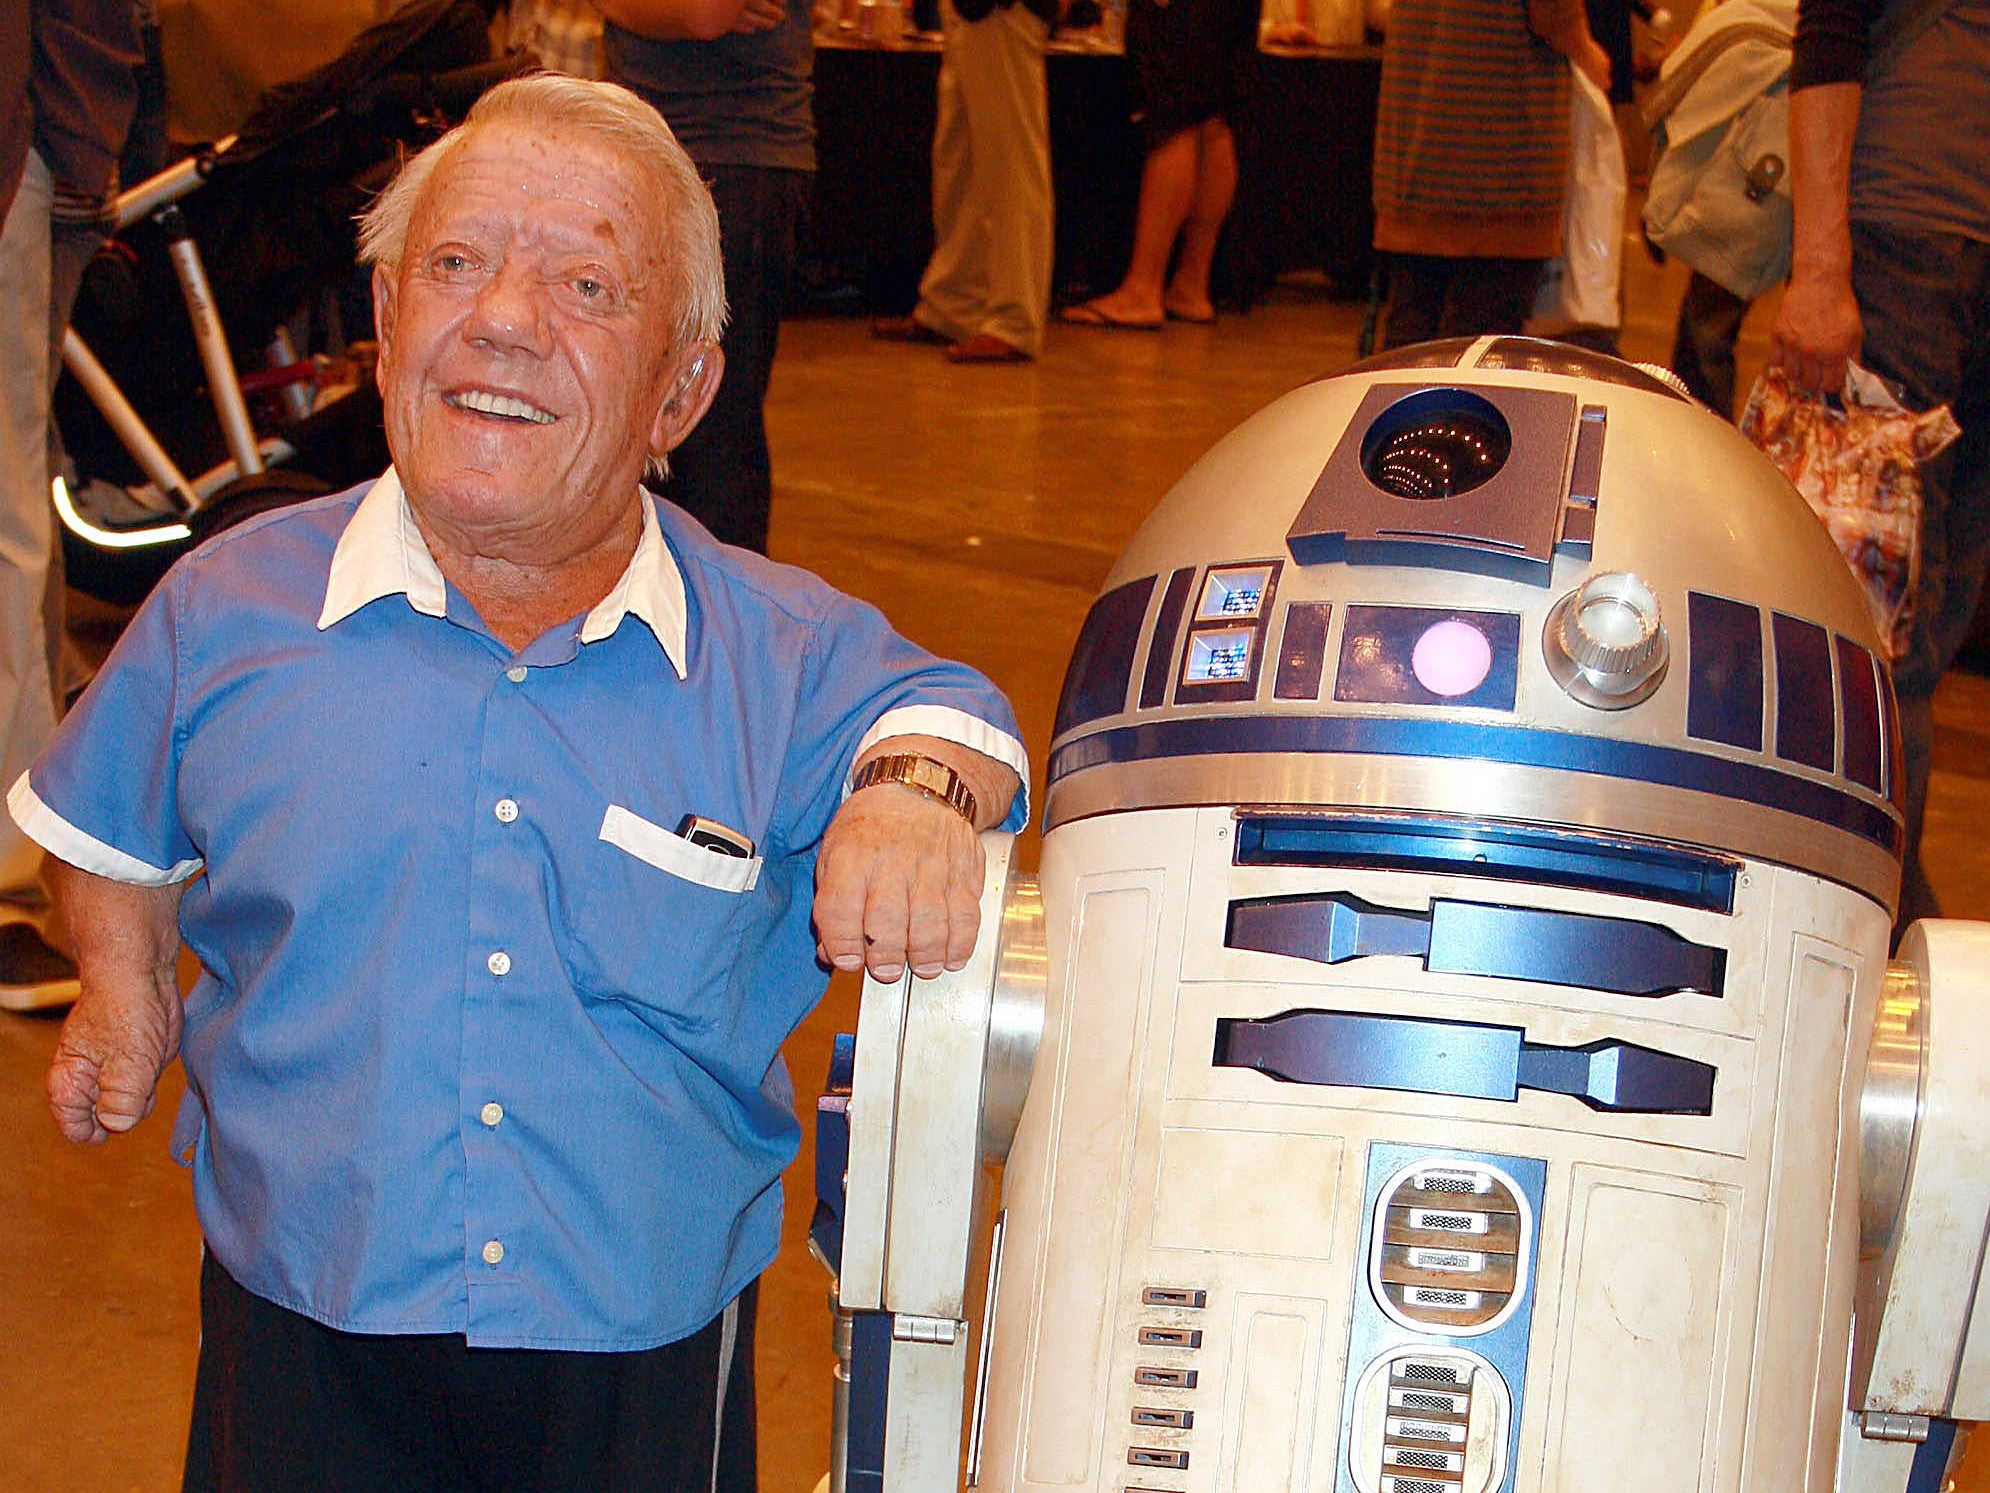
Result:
480,1044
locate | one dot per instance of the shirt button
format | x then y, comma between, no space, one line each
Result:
493,1252
506,810
499,963
491,1113
516,673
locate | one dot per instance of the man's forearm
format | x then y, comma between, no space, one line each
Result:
992,783
1823,123
674,20
126,937
1818,327
127,1022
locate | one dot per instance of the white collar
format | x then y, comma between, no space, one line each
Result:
381,553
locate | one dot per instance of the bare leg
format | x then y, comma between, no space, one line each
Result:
1167,193
1215,184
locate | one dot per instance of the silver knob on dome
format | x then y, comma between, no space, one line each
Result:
1605,641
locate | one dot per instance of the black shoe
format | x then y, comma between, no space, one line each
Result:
33,976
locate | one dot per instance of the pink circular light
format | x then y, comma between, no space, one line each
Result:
1452,658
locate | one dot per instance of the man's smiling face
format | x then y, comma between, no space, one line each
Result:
525,344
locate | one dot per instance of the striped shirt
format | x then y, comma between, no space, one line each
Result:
1472,136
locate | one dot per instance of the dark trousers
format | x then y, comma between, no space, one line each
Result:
1710,319
722,474
1925,300
1432,295
285,1405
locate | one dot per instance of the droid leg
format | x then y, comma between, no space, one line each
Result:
1919,1360
940,1067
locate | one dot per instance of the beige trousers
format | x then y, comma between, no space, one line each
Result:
27,521
992,212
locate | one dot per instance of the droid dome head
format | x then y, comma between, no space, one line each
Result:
1496,588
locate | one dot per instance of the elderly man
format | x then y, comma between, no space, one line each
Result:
509,784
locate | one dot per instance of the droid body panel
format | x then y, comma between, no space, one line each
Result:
1465,900
1653,1261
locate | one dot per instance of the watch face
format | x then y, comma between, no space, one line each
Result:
935,779
929,775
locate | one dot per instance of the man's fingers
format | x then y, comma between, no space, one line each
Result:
127,1090
72,1098
760,15
963,921
839,919
928,940
842,888
887,919
104,1077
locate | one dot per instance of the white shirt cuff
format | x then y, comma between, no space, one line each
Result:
83,850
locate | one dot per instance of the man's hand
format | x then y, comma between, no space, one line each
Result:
1818,331
897,882
898,878
105,1077
126,1026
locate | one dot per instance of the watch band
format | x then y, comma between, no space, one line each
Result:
929,775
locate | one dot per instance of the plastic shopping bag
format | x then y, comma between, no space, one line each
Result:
1580,288
1859,468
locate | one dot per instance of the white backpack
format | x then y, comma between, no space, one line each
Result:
1719,198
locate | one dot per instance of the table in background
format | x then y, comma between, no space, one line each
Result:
1304,140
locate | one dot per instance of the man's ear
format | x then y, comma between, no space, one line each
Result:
383,312
700,366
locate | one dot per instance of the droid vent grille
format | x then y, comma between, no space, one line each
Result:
1458,1266
1418,1485
1417,1401
1430,1373
1460,1223
1410,1457
1444,1259
1418,1430
1436,1182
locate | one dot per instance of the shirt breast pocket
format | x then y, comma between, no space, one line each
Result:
677,855
663,928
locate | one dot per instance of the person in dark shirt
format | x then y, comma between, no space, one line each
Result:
732,80
1890,265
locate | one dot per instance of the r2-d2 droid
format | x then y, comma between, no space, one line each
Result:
1450,1046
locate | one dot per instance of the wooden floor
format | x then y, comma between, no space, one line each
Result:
980,507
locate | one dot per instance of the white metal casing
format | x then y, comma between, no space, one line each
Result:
1676,1253
1187,1300
915,1181
1927,1348
1693,1273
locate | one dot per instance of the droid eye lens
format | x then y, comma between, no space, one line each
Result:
1451,659
1437,443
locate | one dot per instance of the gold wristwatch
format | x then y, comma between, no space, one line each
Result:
929,775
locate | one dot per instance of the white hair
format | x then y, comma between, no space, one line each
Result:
693,278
